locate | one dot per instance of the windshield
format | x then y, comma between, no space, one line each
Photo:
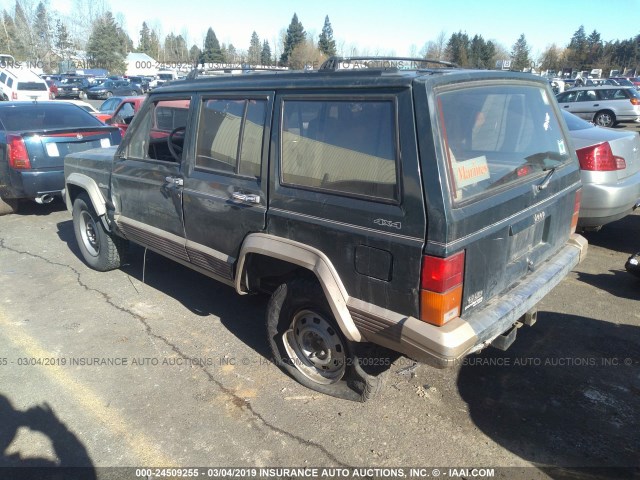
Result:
496,135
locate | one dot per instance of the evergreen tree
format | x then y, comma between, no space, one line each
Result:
144,44
8,34
23,43
231,55
255,49
42,32
154,45
194,54
212,52
295,35
578,48
326,43
265,54
594,47
62,40
457,50
105,46
520,54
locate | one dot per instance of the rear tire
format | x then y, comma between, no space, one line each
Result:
8,206
605,118
100,250
308,345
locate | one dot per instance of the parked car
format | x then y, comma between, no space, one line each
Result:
109,106
423,212
610,171
635,81
20,84
73,87
605,106
89,108
109,88
34,139
124,113
140,81
623,82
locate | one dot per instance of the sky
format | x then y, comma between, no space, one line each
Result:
377,26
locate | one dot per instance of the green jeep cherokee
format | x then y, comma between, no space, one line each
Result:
398,203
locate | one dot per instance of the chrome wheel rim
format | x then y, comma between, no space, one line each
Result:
89,234
604,120
315,348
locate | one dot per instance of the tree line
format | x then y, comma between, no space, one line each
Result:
30,32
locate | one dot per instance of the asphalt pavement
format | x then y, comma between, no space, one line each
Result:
167,368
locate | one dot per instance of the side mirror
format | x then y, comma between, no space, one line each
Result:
109,121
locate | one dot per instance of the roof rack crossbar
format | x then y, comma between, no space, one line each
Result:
333,63
231,67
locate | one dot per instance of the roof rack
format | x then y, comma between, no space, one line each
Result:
384,63
231,68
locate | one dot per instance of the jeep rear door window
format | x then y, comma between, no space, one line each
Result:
223,124
340,145
498,135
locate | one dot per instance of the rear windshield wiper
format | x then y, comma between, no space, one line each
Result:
547,179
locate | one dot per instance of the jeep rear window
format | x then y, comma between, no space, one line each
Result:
32,86
343,146
498,135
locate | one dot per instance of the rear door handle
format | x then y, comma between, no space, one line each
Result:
246,198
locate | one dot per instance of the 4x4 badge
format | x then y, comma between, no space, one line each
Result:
387,223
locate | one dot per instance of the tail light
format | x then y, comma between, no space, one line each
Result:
17,153
14,95
600,158
576,210
635,101
441,288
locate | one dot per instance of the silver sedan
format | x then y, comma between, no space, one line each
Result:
610,171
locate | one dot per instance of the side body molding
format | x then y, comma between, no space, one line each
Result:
89,185
311,259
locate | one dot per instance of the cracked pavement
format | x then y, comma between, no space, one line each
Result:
175,371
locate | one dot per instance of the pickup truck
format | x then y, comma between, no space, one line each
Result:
380,208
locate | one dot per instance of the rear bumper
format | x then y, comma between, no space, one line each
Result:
443,346
33,183
604,203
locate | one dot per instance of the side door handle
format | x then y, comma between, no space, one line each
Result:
174,181
246,198
596,104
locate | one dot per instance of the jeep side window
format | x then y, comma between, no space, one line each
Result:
162,122
223,124
344,146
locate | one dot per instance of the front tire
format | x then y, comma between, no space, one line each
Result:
100,250
605,119
308,345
